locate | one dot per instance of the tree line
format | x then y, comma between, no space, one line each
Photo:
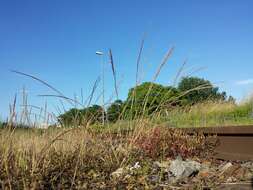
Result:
146,99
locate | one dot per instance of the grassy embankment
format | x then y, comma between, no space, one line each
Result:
82,158
208,114
211,114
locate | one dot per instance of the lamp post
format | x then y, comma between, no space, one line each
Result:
99,53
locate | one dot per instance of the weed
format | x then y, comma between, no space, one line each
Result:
169,143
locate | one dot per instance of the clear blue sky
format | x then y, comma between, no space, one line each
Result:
56,40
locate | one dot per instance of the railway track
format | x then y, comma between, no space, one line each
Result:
234,142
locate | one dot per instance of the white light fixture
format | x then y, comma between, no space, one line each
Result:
99,53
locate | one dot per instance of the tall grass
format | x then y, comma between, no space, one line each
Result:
210,114
80,158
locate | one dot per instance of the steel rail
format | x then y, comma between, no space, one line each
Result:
235,143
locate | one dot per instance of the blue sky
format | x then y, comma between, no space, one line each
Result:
56,40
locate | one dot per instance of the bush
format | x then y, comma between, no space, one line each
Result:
161,142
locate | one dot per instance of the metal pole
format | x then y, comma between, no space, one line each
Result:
103,85
103,89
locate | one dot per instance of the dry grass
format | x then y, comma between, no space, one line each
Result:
82,158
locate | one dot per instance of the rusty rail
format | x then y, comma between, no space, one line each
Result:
235,142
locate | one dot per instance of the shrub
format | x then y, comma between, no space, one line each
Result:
161,142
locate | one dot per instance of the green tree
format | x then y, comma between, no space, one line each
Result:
231,99
94,114
114,110
150,96
199,90
77,117
71,117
